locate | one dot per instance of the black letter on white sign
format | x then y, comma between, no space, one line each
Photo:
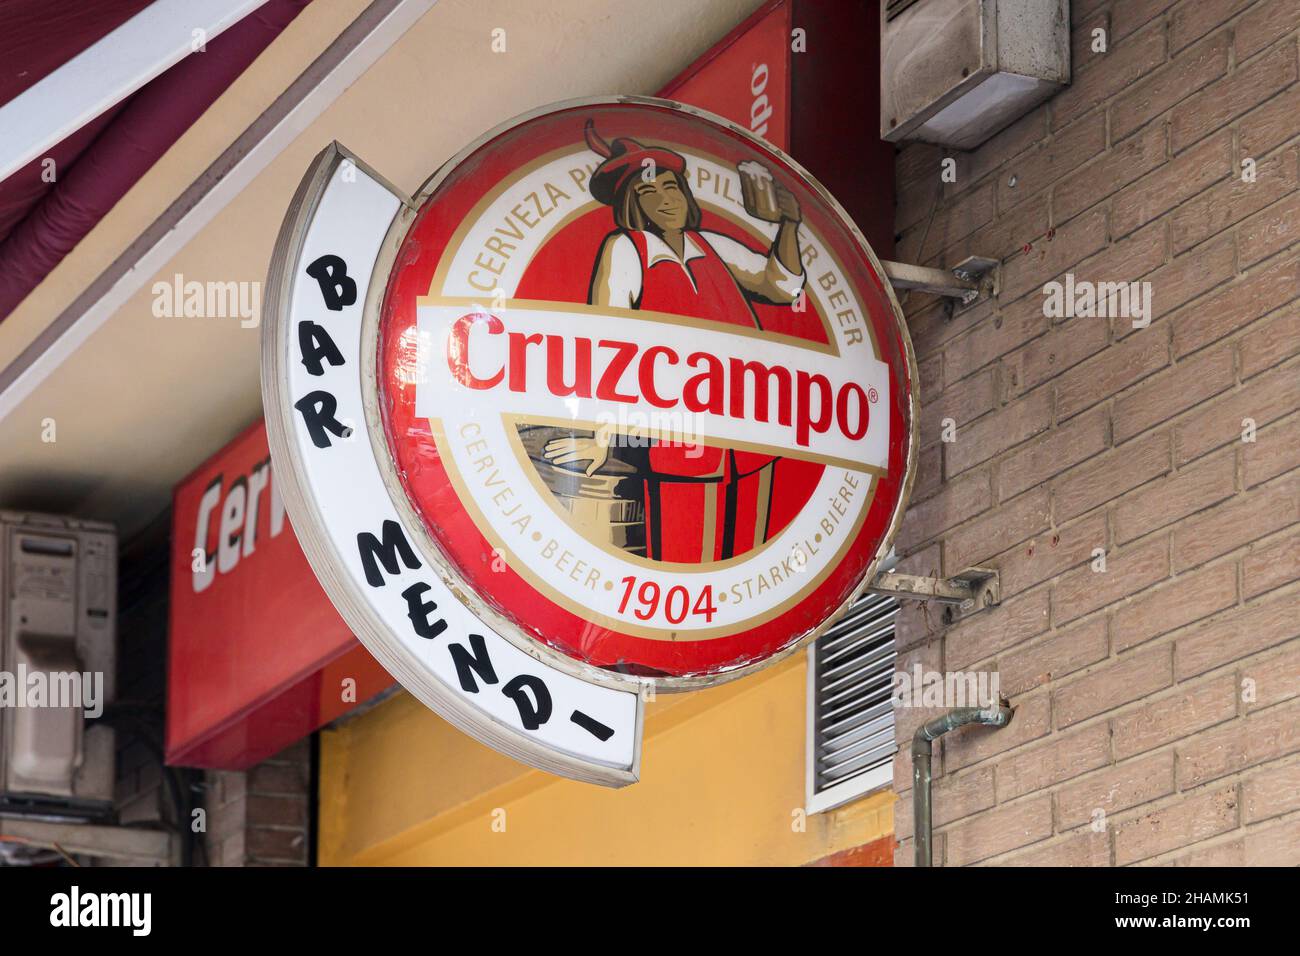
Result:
315,344
331,274
394,545
318,410
516,690
467,664
418,611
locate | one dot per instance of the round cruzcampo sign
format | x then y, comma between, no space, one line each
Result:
621,399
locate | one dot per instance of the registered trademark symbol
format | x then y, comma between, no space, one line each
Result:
873,396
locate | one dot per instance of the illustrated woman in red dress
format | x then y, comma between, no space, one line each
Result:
701,503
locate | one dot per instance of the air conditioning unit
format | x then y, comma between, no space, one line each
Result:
954,72
58,661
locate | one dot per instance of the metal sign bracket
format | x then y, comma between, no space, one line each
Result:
972,280
966,593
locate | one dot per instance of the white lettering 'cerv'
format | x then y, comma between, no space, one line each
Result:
1084,298
74,908
228,514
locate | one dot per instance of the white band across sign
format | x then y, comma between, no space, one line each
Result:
375,573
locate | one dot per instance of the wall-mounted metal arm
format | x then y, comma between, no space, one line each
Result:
969,281
971,590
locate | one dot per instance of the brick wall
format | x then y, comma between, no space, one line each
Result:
260,817
1157,719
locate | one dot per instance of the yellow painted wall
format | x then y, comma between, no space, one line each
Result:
721,778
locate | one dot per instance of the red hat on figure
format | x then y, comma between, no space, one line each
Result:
624,158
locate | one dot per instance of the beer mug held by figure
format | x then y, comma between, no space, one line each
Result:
764,198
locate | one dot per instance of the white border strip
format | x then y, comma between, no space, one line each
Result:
107,72
354,51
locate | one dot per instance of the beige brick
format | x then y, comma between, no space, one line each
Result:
266,844
1174,604
1171,84
1190,275
982,635
1274,677
914,203
1002,147
1051,354
1026,667
1218,854
955,219
1239,745
1127,62
1082,55
1264,400
1238,305
1060,757
998,831
1040,167
1109,476
970,745
952,797
1052,453
1128,679
929,473
1013,327
1137,255
997,530
1269,231
961,499
1266,126
993,434
1050,554
1263,24
269,778
1116,367
1009,234
1228,98
277,811
1236,634
1191,21
1276,450
1128,571
1191,819
1127,16
1176,181
966,400
1276,845
1187,383
1246,518
1271,343
1112,170
1175,716
1115,789
1073,242
1232,200
1193,488
1078,849
1271,565
1271,792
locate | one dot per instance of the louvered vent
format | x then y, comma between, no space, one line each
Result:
852,717
894,7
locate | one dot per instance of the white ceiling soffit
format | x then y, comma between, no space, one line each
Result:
365,40
107,72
